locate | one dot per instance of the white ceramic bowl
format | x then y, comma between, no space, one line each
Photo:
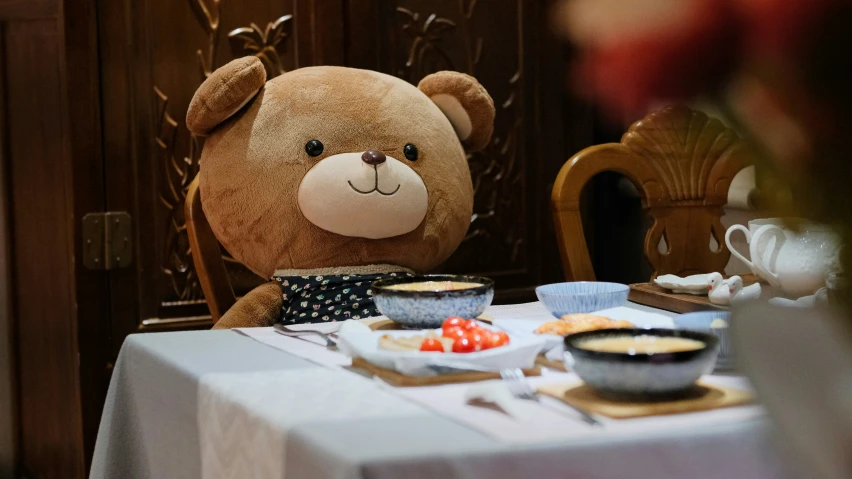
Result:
581,296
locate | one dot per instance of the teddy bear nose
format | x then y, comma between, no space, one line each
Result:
373,157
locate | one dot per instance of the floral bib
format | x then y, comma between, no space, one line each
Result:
316,299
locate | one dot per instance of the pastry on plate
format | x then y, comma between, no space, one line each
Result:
411,343
578,323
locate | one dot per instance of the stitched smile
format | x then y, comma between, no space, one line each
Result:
375,187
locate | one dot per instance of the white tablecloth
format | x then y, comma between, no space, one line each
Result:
219,404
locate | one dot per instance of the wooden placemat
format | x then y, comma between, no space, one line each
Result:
398,379
655,296
705,398
541,360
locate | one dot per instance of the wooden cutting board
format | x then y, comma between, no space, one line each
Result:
704,398
655,296
396,378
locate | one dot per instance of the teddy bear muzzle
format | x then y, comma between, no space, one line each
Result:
363,194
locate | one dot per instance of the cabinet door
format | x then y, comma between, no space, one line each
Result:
507,46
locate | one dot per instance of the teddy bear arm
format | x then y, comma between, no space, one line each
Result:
259,308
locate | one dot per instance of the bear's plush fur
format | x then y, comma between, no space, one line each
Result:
276,205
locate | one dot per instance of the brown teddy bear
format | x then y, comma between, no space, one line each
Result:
328,178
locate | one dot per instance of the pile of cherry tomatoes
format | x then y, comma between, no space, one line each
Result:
468,337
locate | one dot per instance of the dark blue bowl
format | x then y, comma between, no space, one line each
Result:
429,309
641,377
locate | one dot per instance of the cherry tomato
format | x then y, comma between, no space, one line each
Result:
452,322
496,339
432,344
463,345
479,338
470,325
454,333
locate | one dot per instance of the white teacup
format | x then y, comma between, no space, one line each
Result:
794,261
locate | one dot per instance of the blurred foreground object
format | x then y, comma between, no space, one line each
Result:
801,364
778,70
635,52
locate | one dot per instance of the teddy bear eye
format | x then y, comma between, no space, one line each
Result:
314,147
410,152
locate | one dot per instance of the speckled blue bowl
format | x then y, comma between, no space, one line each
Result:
581,296
700,322
641,377
429,309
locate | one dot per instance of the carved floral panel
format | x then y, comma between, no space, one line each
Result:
211,33
483,39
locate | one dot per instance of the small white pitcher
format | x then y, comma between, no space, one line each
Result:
797,261
753,226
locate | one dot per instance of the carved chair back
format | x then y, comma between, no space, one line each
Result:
682,162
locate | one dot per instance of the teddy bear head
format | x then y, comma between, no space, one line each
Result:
337,167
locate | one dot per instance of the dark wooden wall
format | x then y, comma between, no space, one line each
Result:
94,96
50,151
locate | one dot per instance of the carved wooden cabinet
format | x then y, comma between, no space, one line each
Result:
499,43
130,69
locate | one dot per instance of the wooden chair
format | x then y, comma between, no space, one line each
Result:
682,162
207,256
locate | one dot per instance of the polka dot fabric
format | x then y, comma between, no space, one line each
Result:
317,299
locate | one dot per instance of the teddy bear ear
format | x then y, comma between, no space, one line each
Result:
465,103
224,92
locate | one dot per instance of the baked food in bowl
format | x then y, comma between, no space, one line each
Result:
421,302
641,364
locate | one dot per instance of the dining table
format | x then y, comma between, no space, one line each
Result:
256,404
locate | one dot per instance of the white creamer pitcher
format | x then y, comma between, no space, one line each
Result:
753,226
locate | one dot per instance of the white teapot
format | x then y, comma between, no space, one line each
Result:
794,261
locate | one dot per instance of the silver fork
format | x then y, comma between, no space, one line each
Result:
518,386
284,330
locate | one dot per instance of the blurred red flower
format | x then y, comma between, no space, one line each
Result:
800,50
692,49
781,28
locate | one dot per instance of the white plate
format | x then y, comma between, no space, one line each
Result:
525,327
519,353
